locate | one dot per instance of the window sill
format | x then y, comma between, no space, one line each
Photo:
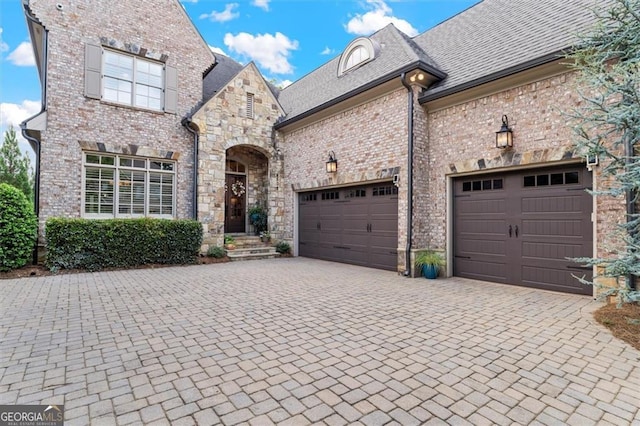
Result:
135,108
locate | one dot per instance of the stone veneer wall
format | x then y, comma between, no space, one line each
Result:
76,122
223,126
461,139
370,143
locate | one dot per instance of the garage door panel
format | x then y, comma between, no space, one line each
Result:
556,279
552,228
550,251
481,270
485,207
552,204
469,226
482,247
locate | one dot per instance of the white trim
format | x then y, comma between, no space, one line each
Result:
361,42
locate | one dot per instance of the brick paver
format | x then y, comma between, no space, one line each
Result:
297,341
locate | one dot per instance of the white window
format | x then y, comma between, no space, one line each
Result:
119,186
357,56
358,52
132,81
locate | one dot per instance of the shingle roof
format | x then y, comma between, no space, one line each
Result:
497,35
484,40
223,71
323,84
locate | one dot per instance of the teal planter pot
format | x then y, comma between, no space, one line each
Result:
430,272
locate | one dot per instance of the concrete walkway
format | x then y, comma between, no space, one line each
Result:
298,341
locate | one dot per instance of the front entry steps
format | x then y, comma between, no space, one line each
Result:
250,247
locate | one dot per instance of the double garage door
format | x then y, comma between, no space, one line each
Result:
357,225
520,228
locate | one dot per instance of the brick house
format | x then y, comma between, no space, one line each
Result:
413,123
109,140
409,124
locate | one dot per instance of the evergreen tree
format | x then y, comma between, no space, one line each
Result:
607,124
15,167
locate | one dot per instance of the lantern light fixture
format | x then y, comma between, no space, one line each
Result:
332,164
504,136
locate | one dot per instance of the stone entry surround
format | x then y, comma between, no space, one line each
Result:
306,341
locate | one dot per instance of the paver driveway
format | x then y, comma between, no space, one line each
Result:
300,341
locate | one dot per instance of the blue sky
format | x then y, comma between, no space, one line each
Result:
287,39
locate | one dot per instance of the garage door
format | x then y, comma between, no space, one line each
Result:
357,225
519,228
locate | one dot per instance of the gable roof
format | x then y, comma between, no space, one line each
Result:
397,53
495,38
224,70
219,75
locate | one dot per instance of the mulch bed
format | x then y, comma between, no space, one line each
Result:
42,271
624,322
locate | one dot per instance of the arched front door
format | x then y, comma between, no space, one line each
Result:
235,197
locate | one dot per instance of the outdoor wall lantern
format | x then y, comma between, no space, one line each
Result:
332,164
504,136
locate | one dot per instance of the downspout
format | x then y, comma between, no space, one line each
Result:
630,197
35,143
407,270
186,122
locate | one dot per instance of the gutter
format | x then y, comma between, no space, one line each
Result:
370,85
186,122
34,142
495,76
407,269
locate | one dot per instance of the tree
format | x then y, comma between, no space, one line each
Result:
607,124
15,167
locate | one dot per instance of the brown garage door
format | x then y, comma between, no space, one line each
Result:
519,228
357,225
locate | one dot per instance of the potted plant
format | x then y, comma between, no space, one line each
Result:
430,262
265,236
258,218
229,242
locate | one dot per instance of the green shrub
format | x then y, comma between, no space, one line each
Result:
18,228
216,251
283,247
120,243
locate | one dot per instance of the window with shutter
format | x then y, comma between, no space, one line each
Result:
129,80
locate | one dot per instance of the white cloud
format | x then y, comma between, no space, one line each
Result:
269,51
226,15
13,115
189,1
218,50
3,46
327,51
284,83
22,56
261,3
378,18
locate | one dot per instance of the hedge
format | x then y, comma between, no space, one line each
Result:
120,243
18,228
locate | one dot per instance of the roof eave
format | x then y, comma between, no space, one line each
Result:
554,56
438,74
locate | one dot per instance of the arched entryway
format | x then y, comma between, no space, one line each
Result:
246,186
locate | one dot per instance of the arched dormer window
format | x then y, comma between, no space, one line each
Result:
358,52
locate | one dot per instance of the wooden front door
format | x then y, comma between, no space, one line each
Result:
235,202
